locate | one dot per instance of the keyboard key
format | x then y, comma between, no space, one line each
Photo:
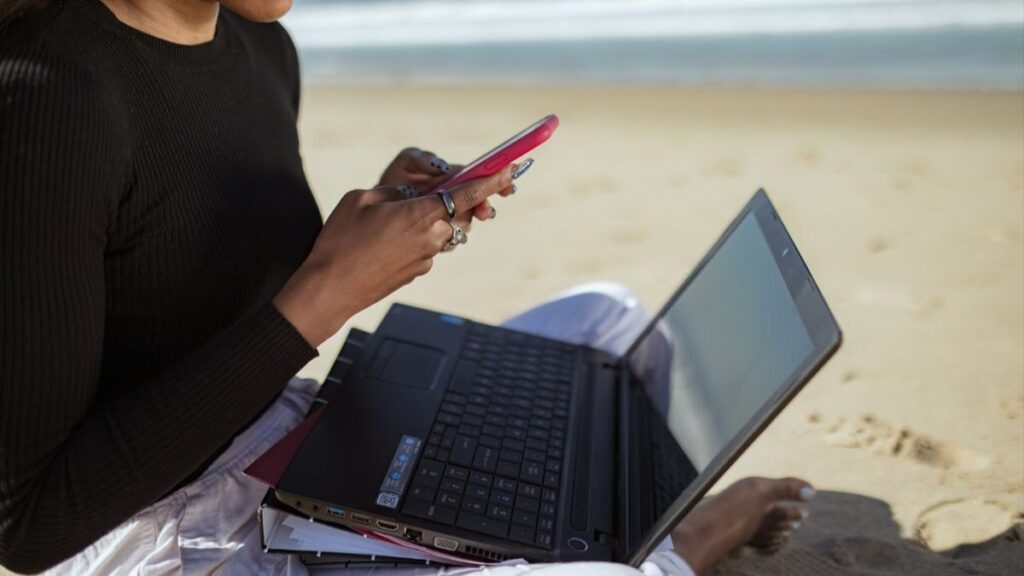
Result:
442,454
447,418
547,524
474,505
511,455
532,454
499,512
529,490
551,479
550,496
522,534
456,472
453,485
429,472
505,484
554,465
424,509
477,477
528,504
477,491
463,451
532,472
448,499
503,498
490,442
486,459
547,509
424,491
506,468
520,516
513,444
483,524
544,539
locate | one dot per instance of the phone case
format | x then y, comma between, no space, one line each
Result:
503,155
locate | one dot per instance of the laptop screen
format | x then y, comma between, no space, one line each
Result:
727,343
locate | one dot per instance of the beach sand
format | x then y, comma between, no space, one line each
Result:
908,207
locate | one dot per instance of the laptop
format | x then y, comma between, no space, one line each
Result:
497,444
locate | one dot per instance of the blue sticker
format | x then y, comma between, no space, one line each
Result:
453,320
397,477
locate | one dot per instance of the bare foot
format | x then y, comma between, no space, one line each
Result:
757,511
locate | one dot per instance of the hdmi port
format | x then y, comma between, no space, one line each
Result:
389,526
361,518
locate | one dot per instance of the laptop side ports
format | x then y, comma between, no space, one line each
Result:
413,535
385,525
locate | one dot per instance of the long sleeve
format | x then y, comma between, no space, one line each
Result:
75,462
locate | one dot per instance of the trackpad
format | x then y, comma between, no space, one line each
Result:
409,365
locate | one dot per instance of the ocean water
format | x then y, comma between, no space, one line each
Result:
963,44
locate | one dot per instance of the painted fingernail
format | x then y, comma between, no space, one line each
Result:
521,168
409,191
494,212
514,188
441,165
806,493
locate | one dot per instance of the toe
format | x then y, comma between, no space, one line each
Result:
790,489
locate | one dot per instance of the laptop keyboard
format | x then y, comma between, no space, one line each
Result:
493,461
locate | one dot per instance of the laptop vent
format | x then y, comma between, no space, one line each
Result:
481,553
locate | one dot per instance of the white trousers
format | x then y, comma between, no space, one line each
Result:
209,526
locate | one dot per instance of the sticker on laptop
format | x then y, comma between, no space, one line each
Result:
398,474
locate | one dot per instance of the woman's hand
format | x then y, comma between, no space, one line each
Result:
414,171
418,168
374,242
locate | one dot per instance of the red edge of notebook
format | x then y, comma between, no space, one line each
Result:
269,467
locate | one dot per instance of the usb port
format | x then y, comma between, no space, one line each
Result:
385,525
333,511
362,519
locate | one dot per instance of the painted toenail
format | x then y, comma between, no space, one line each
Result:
806,493
797,524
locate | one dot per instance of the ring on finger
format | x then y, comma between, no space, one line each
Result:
458,237
449,204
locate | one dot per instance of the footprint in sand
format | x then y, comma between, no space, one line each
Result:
950,523
868,432
877,245
808,156
529,273
723,167
897,298
630,235
586,266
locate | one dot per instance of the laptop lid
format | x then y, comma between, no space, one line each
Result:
745,331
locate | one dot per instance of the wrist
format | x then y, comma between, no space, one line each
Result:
306,303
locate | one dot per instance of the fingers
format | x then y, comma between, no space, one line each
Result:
484,211
468,195
427,162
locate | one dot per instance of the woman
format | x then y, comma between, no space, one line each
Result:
164,273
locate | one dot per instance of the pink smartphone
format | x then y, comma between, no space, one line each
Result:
506,153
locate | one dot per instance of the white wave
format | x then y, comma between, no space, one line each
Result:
437,22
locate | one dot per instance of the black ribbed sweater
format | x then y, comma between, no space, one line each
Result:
152,202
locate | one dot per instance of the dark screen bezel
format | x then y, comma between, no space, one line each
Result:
821,327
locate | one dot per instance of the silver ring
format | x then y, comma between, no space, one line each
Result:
449,204
459,236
